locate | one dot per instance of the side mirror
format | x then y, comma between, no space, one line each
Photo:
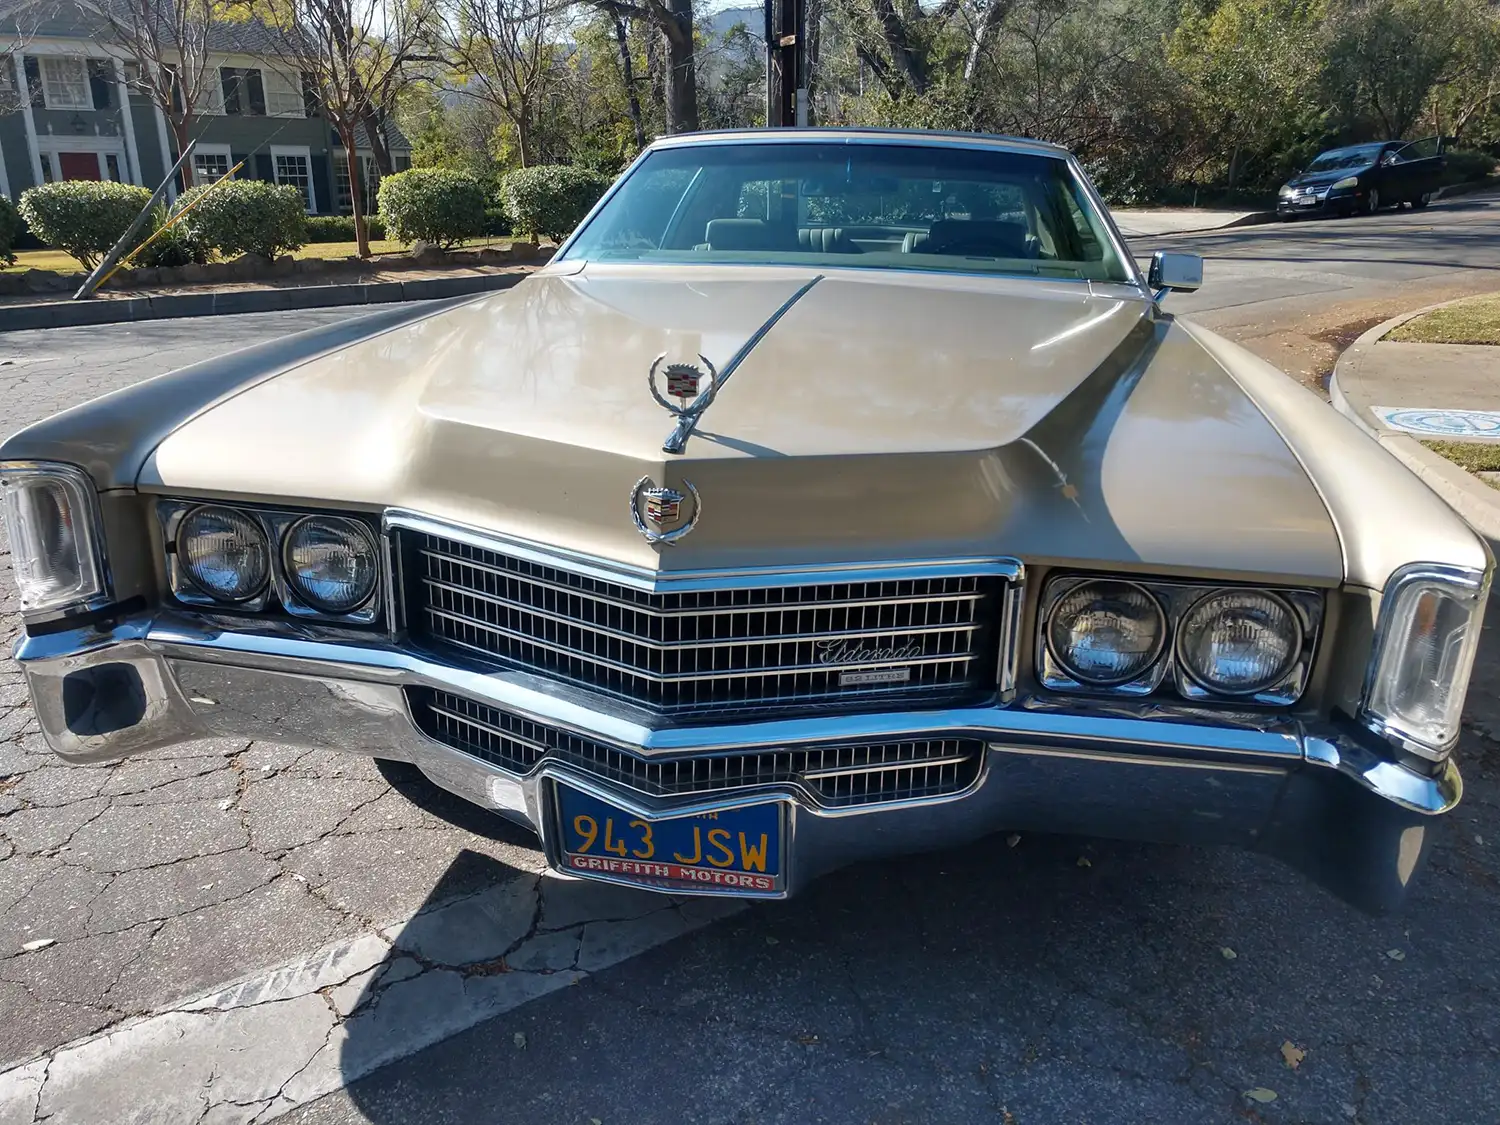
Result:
1172,272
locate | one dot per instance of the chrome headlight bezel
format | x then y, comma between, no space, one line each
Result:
1203,680
1469,590
1167,674
278,597
92,589
1060,668
203,589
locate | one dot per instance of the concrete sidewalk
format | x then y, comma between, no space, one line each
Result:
1401,394
1149,222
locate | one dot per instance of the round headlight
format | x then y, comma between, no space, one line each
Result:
1106,633
223,551
1239,642
331,563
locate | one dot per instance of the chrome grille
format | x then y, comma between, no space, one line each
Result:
837,776
686,651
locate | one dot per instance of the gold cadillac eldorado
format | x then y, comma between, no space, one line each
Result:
830,495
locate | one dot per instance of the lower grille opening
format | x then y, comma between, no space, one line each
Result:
837,776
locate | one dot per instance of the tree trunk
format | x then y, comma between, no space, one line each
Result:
373,120
182,132
682,71
356,192
627,75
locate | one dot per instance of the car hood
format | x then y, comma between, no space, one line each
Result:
1317,179
885,415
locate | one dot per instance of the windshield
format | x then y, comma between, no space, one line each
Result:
881,206
1345,158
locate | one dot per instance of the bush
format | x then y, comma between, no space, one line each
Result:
177,246
340,228
83,218
1466,166
246,217
432,205
10,228
550,200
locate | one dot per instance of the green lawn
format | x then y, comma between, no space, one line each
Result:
1475,456
1472,321
64,263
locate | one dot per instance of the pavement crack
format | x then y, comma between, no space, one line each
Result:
36,1108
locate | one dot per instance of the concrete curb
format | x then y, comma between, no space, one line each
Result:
67,314
1254,218
1471,498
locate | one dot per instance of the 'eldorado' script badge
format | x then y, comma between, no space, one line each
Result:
662,514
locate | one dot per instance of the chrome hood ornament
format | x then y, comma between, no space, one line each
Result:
663,514
684,380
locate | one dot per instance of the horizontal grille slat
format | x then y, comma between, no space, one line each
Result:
695,650
837,776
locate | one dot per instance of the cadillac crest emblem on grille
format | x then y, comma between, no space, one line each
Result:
663,514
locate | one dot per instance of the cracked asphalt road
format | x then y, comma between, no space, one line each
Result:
1016,984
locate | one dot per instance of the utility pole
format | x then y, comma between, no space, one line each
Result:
786,63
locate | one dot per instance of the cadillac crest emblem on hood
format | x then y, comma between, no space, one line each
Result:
684,383
663,514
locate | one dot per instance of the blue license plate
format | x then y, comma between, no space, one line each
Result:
734,850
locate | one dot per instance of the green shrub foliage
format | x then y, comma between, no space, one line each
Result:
246,217
83,218
10,229
340,228
550,200
437,205
176,246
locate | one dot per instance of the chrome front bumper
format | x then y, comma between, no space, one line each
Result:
1327,800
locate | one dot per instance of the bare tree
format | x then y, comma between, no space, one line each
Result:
503,50
352,55
674,20
169,40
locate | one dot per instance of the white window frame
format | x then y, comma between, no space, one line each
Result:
201,149
306,154
47,62
269,80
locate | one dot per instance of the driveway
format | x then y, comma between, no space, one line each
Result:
1022,980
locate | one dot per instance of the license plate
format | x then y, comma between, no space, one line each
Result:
733,850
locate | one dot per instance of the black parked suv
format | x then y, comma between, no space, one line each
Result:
1343,181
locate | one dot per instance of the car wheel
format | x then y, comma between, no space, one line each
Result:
1374,204
1422,200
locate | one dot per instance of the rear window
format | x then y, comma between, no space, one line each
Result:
874,206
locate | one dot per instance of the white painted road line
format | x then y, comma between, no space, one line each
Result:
252,1050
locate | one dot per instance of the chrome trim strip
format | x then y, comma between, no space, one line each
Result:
706,611
653,581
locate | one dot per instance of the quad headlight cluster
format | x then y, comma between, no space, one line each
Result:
312,565
1130,637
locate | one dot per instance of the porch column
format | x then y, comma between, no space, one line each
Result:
29,118
127,121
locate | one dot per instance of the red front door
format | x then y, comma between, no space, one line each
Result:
78,165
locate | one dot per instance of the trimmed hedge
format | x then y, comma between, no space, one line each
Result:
246,217
550,199
83,218
340,228
10,229
436,205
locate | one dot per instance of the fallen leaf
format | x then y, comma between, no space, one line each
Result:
1083,861
1262,1095
39,943
1395,954
1349,1108
1228,954
1292,1054
1478,839
773,941
595,1121
1013,839
807,1040
519,1039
